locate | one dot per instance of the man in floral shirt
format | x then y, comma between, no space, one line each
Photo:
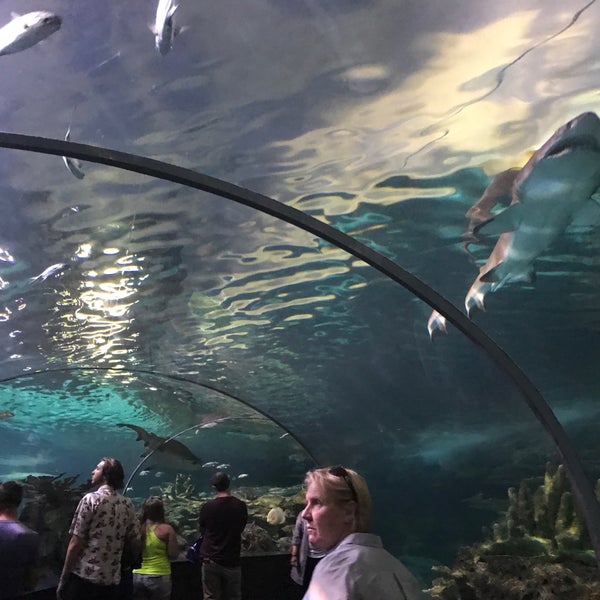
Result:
104,521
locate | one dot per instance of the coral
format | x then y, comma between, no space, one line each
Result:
541,550
180,489
255,540
49,511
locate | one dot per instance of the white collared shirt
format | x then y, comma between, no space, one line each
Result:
359,568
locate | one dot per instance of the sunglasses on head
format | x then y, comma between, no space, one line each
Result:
341,472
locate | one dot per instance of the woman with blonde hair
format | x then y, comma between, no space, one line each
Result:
356,566
152,581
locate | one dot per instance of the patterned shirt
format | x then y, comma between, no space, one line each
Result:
103,520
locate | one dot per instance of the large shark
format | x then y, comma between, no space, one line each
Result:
173,450
557,186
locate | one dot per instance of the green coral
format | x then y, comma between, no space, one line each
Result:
180,489
542,543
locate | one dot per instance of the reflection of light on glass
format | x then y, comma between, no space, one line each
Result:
6,256
98,310
299,317
84,251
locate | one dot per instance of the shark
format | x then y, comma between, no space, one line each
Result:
557,186
172,450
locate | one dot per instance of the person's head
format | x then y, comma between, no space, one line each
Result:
220,481
153,509
109,471
11,494
338,503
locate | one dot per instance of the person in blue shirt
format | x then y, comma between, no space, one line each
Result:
18,545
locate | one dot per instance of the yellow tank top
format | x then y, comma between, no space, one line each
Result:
155,560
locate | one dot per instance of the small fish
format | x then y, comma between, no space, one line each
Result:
27,30
242,475
6,414
164,29
72,164
212,463
129,489
223,466
159,474
144,473
276,516
52,271
284,435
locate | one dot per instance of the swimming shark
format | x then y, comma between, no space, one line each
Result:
171,449
558,185
559,181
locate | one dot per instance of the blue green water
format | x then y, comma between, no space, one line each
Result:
384,120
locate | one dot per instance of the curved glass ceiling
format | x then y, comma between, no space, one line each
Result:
127,299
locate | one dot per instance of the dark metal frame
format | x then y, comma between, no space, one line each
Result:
581,486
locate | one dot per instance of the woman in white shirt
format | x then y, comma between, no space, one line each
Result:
338,517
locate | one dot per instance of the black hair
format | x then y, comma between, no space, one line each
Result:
11,494
220,481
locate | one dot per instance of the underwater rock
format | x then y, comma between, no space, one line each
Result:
255,540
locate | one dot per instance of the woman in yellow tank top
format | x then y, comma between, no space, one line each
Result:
152,581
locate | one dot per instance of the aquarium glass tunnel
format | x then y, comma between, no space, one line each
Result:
310,233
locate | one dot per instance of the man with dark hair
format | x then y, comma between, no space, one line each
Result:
103,523
18,545
221,523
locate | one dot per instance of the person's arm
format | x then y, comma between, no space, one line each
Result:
201,521
294,555
166,534
172,545
74,550
296,540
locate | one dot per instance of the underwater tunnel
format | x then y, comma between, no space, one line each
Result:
249,252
